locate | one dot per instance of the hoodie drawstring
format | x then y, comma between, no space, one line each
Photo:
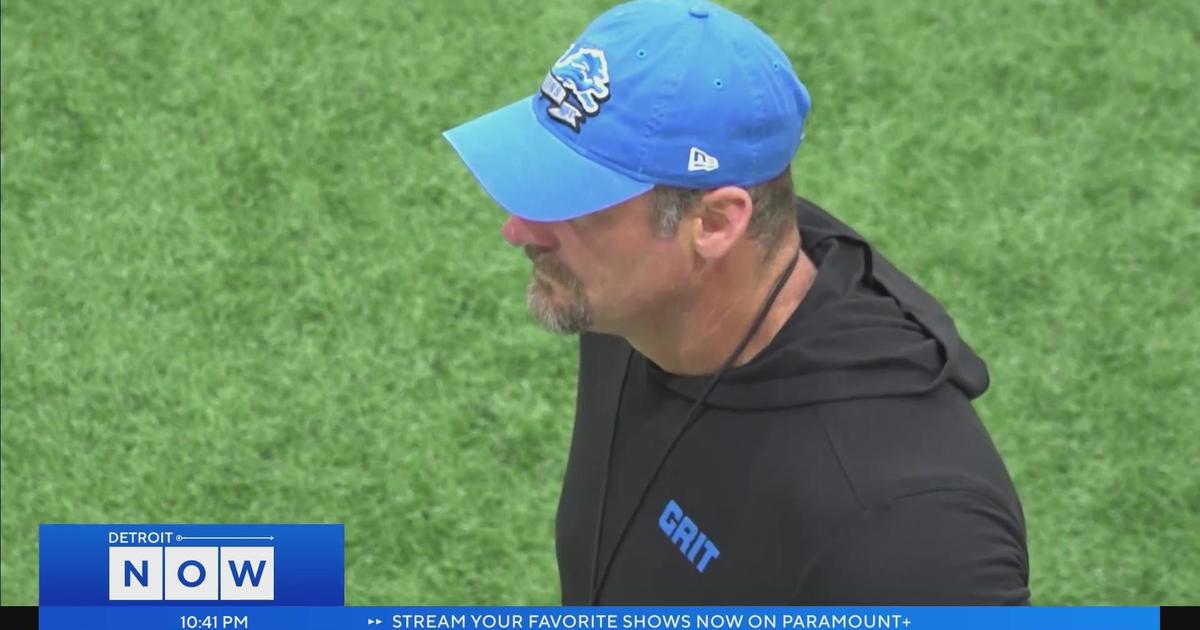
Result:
692,416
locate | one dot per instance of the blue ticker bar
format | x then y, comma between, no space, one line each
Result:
607,618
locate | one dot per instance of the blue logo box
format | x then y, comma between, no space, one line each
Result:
113,565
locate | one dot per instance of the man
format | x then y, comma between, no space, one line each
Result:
768,412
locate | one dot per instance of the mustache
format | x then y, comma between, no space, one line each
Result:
545,262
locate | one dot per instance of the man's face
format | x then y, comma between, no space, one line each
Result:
598,272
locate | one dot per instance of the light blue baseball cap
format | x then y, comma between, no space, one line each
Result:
670,92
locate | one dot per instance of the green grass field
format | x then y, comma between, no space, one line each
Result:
245,279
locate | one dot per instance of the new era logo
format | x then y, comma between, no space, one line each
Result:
700,161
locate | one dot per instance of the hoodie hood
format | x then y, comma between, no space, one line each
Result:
863,330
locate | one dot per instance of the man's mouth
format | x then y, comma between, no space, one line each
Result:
547,268
545,277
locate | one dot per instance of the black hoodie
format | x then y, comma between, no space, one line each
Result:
843,465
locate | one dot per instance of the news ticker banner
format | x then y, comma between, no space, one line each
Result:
291,577
243,565
606,618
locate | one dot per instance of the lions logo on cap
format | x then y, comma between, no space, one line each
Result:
582,74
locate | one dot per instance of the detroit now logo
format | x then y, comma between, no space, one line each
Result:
163,566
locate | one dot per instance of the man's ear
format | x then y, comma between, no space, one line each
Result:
720,220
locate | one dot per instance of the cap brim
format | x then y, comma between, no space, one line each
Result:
533,174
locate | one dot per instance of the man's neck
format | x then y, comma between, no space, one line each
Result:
697,338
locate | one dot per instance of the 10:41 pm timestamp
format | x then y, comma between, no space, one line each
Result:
209,622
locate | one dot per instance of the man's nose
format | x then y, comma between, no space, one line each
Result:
520,233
